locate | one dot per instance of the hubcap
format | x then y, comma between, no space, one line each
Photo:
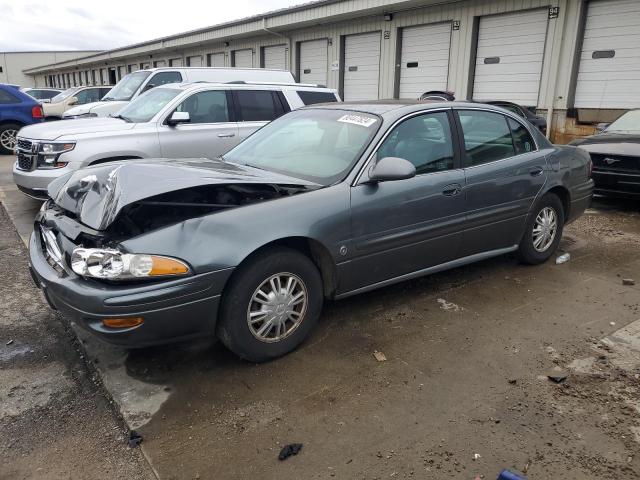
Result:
545,228
8,139
277,307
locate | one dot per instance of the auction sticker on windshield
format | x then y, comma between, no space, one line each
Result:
357,120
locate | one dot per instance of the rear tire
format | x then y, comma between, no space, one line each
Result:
271,304
8,132
543,231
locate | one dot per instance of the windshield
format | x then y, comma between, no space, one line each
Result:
629,122
147,105
316,145
127,87
63,95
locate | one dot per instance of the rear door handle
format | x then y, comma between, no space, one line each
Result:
451,190
536,171
226,135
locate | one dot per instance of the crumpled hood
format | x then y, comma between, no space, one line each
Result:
612,144
102,109
96,195
68,128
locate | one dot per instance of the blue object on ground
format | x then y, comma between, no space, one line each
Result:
509,475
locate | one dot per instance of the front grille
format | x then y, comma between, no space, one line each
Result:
616,163
23,144
24,162
51,249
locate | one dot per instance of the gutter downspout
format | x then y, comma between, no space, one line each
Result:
553,87
287,39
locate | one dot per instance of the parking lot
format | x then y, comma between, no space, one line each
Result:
464,390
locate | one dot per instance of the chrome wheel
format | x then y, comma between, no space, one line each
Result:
277,307
545,228
8,139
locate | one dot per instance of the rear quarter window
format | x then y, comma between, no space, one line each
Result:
8,98
309,98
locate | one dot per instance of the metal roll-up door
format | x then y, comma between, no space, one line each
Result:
243,58
361,66
509,57
314,62
424,59
275,57
609,72
194,61
216,60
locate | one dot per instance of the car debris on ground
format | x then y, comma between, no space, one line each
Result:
628,281
379,356
564,258
288,450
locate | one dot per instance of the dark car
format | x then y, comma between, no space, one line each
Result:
615,153
524,112
17,109
324,202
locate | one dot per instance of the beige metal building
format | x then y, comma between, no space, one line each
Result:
13,64
577,61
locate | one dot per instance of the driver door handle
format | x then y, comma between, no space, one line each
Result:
451,190
536,171
226,135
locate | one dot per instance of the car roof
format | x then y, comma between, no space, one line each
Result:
380,107
185,86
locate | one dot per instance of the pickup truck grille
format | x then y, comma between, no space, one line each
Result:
26,154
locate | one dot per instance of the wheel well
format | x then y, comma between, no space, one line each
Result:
564,196
13,122
318,254
114,159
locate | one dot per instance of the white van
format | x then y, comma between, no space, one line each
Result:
136,83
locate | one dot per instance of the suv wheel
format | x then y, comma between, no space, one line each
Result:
8,133
271,304
543,231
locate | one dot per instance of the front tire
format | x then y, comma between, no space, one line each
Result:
8,133
271,304
543,231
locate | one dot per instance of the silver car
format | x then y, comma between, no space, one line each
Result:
172,121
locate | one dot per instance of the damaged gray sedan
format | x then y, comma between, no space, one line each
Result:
325,202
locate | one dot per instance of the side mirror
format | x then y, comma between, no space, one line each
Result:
388,169
177,118
45,100
147,87
601,127
72,101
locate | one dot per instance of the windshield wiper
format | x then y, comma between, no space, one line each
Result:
122,117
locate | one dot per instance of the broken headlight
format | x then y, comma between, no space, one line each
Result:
111,264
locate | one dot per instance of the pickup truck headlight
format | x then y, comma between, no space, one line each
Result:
48,154
112,264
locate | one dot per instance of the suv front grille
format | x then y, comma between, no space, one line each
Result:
616,163
26,154
23,144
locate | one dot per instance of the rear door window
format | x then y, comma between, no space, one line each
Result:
257,105
522,139
310,97
487,137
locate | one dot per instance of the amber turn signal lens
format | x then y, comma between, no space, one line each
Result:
122,322
167,266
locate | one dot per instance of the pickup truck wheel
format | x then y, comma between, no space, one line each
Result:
271,304
543,231
8,133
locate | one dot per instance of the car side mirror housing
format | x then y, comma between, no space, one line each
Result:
388,169
148,87
72,101
177,118
601,127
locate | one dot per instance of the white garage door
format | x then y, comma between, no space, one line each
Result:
609,73
160,63
313,62
509,57
424,60
194,61
275,57
243,58
216,59
361,66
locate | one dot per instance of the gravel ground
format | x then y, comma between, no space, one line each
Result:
55,419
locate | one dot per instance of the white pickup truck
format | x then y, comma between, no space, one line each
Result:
136,83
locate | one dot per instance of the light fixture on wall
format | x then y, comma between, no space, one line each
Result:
226,44
388,17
